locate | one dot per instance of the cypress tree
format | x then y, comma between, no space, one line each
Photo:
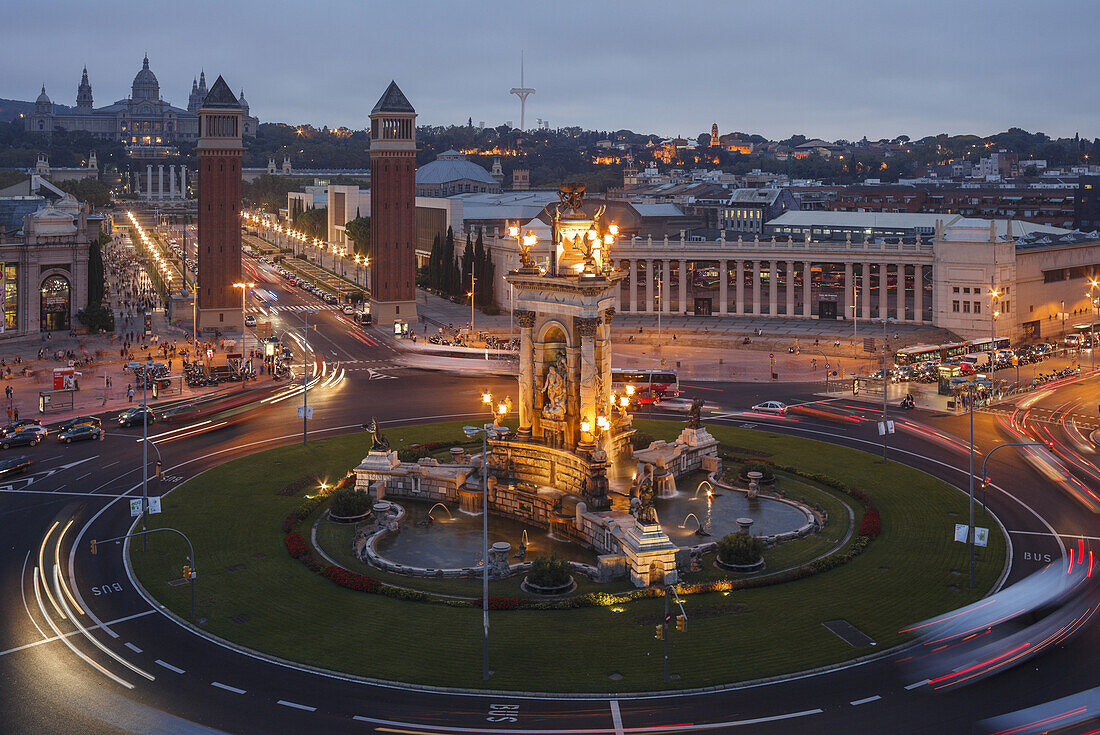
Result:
448,279
95,274
469,264
435,261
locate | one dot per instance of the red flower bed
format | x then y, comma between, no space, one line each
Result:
351,580
870,525
296,545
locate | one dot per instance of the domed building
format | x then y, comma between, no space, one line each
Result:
450,173
142,119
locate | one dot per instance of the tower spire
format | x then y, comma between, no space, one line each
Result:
523,92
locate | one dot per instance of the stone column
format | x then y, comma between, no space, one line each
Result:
526,321
160,181
683,308
739,287
666,284
843,306
573,396
901,292
149,181
183,182
807,280
756,287
918,293
865,293
587,329
883,291
650,277
773,287
790,288
723,287
605,354
633,286
137,183
172,180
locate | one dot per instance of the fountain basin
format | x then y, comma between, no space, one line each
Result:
561,589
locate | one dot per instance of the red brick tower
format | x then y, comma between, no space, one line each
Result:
393,209
219,150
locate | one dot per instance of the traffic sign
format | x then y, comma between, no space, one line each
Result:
961,532
135,507
981,536
154,505
885,428
668,618
307,410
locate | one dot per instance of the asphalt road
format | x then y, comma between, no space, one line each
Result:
200,686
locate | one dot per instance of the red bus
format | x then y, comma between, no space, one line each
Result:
648,384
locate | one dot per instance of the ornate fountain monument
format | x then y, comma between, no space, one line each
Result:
554,471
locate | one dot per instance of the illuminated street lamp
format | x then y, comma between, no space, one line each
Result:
496,432
244,287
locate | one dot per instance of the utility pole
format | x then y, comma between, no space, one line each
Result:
305,379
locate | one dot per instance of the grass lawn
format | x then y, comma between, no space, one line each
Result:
251,591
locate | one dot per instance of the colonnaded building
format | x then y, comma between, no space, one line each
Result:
142,119
940,270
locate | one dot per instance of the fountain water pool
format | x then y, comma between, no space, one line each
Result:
457,542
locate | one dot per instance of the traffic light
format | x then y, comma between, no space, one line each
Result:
186,572
158,470
681,622
93,547
659,632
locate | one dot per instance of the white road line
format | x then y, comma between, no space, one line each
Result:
82,477
226,687
1062,535
916,684
866,700
51,639
111,465
593,731
616,717
131,646
59,488
305,707
170,667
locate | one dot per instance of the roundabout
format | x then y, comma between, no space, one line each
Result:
423,631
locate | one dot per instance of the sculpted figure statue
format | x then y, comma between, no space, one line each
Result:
645,511
695,417
378,442
554,389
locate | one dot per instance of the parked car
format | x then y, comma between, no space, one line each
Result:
249,320
348,309
27,437
14,466
79,434
134,416
16,426
81,421
771,407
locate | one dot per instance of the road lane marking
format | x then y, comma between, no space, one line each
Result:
131,646
866,700
916,684
616,717
1061,535
170,667
294,705
435,729
226,687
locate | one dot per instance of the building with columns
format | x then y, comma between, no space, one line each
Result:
219,150
944,279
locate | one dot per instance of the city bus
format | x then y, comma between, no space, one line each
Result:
918,354
649,385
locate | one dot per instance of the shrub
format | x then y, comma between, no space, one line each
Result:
870,525
740,548
641,440
347,502
296,545
501,603
549,571
97,317
352,580
764,468
412,454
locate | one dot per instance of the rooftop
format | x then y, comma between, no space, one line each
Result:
392,100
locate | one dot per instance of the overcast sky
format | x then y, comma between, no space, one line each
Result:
821,68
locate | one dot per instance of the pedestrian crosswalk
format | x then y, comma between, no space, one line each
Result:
305,307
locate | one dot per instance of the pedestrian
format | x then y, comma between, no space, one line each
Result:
15,414
108,381
130,393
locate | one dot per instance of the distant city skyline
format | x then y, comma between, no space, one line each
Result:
859,69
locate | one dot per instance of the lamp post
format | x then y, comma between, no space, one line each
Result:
243,286
473,290
985,460
855,318
145,444
486,430
1093,283
993,313
305,374
885,383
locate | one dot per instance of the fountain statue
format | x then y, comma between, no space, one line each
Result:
644,510
378,441
695,416
554,389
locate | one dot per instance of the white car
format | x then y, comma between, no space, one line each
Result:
348,309
673,404
249,321
771,407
